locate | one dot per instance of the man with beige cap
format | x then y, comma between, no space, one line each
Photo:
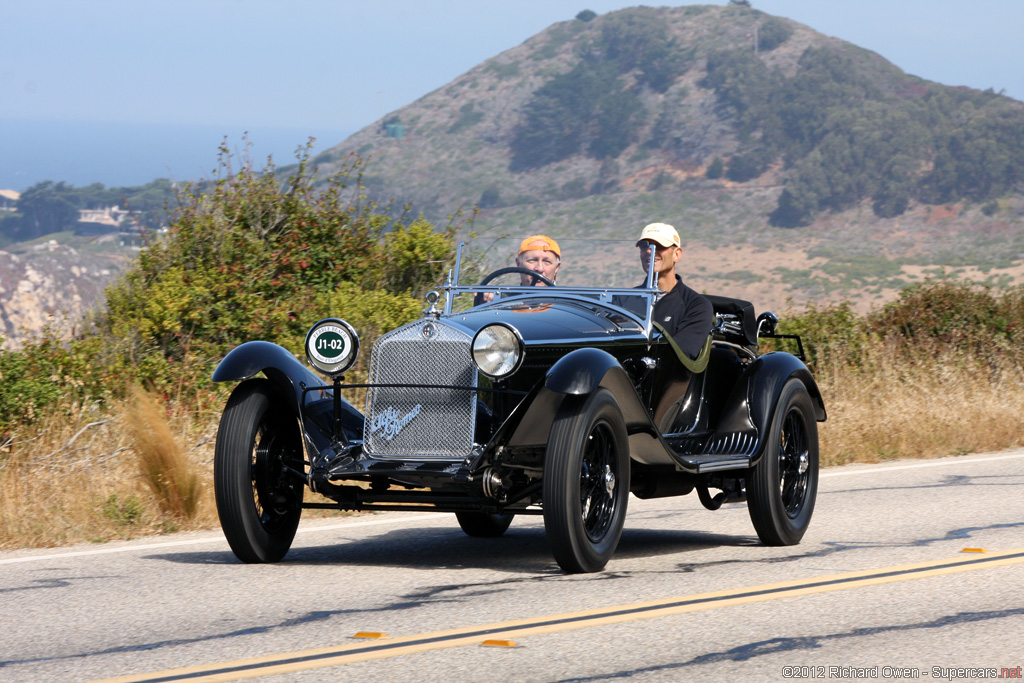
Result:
686,315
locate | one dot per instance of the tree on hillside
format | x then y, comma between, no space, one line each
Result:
585,110
844,138
45,208
591,109
773,33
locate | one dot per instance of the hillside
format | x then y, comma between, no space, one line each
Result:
808,168
55,283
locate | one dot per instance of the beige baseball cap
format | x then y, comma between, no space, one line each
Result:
660,233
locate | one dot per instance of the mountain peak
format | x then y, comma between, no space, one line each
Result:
707,116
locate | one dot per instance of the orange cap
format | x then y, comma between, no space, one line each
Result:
542,242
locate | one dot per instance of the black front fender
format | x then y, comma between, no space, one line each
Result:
279,365
250,358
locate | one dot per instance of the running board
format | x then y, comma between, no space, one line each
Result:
702,464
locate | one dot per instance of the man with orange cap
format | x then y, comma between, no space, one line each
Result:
685,314
540,254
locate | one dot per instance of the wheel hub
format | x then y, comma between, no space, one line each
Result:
609,481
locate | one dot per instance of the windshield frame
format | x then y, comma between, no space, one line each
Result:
604,295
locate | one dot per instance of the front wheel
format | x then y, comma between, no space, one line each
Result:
783,485
586,482
256,468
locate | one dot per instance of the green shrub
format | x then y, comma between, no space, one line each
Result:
955,315
772,33
715,169
127,512
467,119
248,256
830,334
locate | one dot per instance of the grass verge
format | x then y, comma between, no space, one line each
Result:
100,478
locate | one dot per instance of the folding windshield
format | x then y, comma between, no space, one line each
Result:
608,271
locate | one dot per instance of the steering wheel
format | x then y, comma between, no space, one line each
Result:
534,275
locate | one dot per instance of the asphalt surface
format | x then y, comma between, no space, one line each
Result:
909,569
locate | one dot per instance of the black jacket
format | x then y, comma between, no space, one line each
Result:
687,316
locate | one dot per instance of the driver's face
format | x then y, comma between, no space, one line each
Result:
539,261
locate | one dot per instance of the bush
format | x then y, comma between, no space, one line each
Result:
248,256
716,169
585,110
952,315
749,165
832,334
51,375
490,198
937,317
772,33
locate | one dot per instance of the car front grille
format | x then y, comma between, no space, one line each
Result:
416,422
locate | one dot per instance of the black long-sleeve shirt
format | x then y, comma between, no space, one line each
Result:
687,316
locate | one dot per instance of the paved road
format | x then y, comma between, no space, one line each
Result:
888,582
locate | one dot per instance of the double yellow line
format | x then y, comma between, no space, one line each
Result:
476,635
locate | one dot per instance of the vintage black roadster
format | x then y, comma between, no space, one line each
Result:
556,401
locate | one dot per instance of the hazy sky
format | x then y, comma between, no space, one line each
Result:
340,65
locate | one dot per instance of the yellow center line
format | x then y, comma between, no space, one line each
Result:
475,635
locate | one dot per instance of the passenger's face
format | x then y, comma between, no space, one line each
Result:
665,258
539,261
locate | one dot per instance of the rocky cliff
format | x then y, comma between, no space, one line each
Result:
53,285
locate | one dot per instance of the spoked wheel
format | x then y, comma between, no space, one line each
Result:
784,484
586,482
484,524
258,499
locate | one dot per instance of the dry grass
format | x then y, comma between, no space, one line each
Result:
920,407
81,480
171,476
69,481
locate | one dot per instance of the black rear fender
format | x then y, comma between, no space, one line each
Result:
756,396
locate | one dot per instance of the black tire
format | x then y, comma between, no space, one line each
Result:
586,482
258,500
783,485
483,524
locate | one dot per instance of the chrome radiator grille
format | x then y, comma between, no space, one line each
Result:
415,422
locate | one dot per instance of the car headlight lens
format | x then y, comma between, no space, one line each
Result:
497,350
332,346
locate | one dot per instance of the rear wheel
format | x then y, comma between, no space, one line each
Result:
784,483
258,452
483,524
586,482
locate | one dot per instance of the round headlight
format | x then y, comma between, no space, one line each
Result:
332,346
497,350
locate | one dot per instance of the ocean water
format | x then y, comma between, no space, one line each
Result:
119,154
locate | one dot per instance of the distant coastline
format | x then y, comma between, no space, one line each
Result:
129,154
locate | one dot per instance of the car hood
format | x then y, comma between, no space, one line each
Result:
550,319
